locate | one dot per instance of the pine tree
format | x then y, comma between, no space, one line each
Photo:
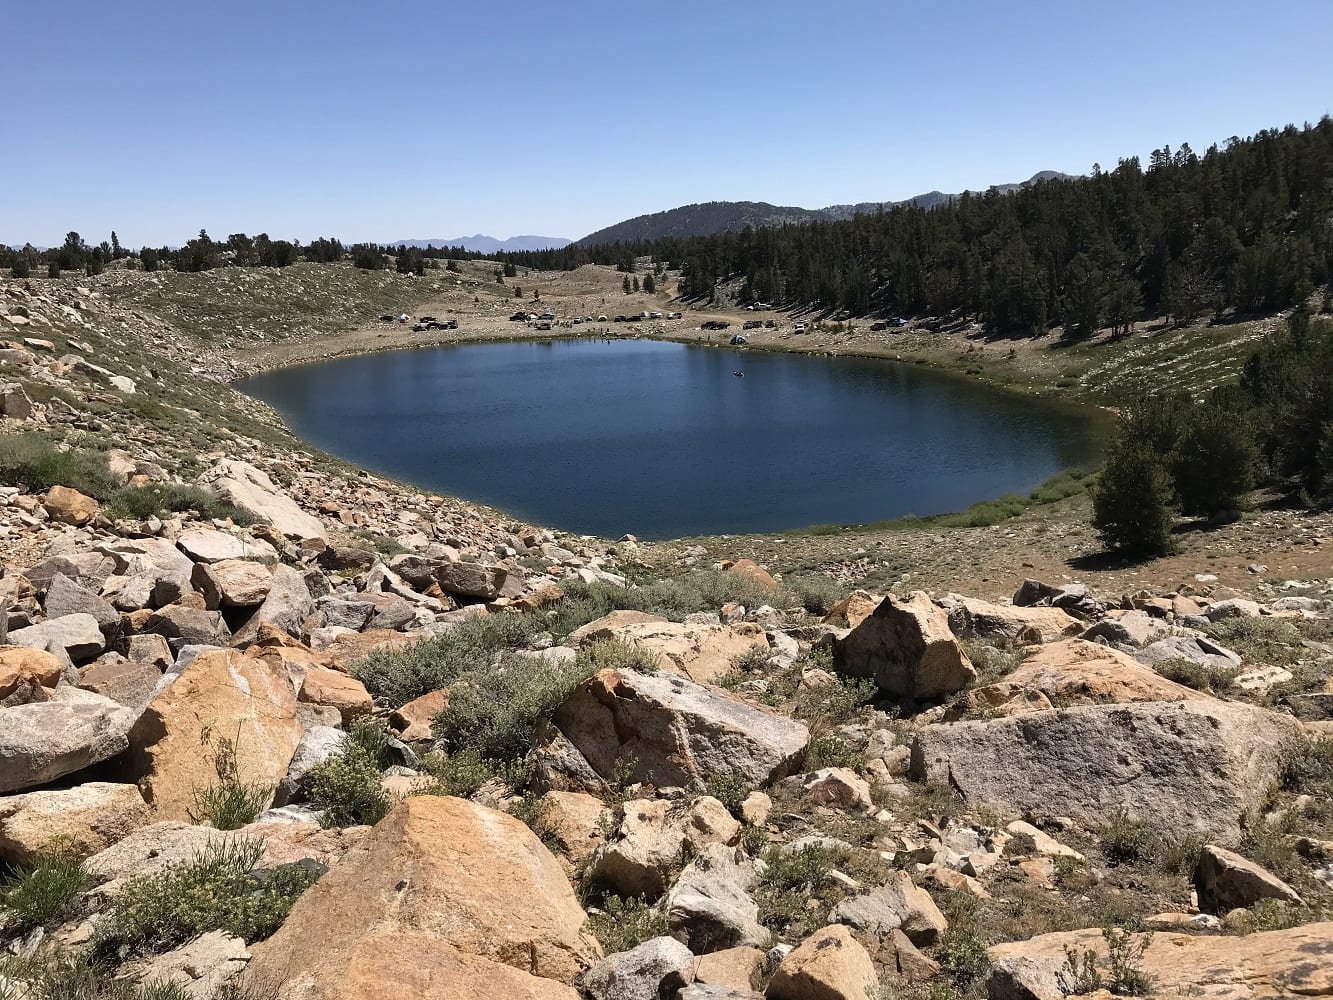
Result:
625,285
649,285
1132,502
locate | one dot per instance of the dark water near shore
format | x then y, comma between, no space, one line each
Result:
661,440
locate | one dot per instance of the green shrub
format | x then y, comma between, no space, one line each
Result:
1124,839
705,590
814,592
1306,766
963,954
830,751
1200,676
832,704
1214,461
229,803
218,889
624,923
462,773
400,675
37,894
729,789
31,459
159,499
492,711
347,788
798,888
76,976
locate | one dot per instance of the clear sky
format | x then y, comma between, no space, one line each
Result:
408,118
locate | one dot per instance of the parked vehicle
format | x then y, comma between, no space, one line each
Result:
519,317
674,315
770,324
715,324
799,328
737,340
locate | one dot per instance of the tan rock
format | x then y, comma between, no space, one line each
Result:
755,808
69,506
607,626
640,859
1042,843
703,653
442,895
739,968
221,694
899,904
907,648
112,676
84,819
751,570
1075,671
232,583
20,665
1291,962
839,787
970,616
828,965
912,965
322,686
413,721
575,820
853,609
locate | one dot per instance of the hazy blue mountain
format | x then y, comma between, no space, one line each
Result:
712,217
489,244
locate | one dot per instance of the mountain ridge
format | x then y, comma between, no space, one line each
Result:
712,217
480,243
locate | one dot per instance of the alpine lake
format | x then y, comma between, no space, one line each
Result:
668,440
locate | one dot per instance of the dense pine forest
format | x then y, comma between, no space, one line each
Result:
1247,226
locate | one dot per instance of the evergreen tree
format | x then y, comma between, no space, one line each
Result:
117,251
1132,502
625,285
1213,462
1085,293
649,284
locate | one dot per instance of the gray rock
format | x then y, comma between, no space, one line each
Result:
898,905
707,991
150,849
1133,628
317,745
79,636
655,969
200,968
710,903
1224,881
14,401
469,579
1195,649
394,617
287,607
182,626
244,485
66,597
346,611
46,740
675,732
1188,765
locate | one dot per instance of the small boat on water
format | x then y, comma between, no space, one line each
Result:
739,374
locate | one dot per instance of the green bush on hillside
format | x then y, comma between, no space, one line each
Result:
32,460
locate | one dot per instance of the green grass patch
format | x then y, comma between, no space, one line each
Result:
164,499
32,460
38,894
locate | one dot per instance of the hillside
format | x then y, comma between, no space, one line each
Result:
488,244
710,218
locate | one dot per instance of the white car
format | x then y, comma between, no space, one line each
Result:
799,328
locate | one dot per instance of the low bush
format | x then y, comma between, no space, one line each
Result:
798,888
347,788
492,711
1306,766
76,976
32,460
159,499
705,590
399,675
1125,840
220,888
830,751
37,894
1200,676
624,923
816,593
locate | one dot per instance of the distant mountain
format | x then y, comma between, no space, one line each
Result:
712,217
489,244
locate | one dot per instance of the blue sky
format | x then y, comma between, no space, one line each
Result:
407,118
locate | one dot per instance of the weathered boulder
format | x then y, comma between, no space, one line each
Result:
1224,881
322,686
906,647
1128,628
186,626
79,635
703,653
20,665
969,616
900,904
14,401
112,675
828,965
710,904
413,720
575,821
200,968
46,740
737,968
654,969
1074,671
84,819
1186,765
69,506
639,860
609,625
68,597
441,898
1295,962
752,571
221,694
853,609
245,486
676,732
1195,649
286,606
208,545
232,583
470,579
149,849
838,787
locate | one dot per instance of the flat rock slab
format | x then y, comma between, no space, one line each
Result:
1187,765
46,740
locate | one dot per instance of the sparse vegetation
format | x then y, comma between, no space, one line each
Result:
33,460
221,888
229,803
75,975
624,923
37,894
159,499
347,787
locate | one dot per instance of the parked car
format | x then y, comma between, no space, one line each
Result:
737,340
798,328
654,315
715,324
547,315
544,325
674,315
770,324
519,317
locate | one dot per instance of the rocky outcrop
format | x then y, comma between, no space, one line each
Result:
657,968
1296,962
639,860
46,740
702,653
82,820
828,965
242,484
907,648
1187,765
1224,881
220,695
969,616
442,897
899,904
710,904
672,731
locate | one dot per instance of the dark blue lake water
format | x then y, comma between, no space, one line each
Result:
662,440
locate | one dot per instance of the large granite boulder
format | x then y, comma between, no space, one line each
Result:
245,486
908,649
46,740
